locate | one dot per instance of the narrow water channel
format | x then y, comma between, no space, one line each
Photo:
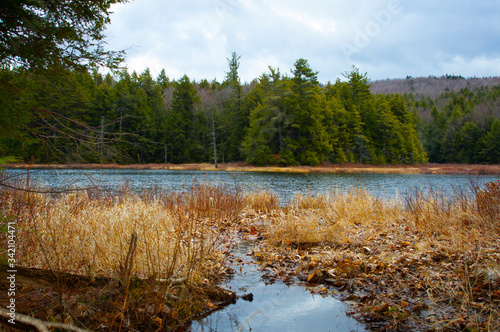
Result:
274,307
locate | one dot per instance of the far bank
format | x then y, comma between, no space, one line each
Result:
472,169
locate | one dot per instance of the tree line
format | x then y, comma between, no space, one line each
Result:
71,115
460,127
56,107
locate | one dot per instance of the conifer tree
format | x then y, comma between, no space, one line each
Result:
180,128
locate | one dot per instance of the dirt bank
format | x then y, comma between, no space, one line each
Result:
324,168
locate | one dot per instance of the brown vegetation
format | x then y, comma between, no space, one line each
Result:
430,86
324,168
163,277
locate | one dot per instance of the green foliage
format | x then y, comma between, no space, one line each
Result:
73,116
297,122
44,34
490,147
235,114
462,127
181,124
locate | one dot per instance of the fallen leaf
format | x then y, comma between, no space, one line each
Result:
311,277
381,308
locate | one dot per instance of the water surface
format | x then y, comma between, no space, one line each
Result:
286,185
275,307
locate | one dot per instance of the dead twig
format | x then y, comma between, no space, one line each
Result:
40,325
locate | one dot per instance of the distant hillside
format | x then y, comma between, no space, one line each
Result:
431,86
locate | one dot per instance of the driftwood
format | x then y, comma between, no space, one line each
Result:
45,278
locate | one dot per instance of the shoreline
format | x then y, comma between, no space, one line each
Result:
471,169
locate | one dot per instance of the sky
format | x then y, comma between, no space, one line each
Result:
383,38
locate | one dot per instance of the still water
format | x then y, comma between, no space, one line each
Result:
275,307
286,185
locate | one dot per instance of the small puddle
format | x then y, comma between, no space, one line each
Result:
274,307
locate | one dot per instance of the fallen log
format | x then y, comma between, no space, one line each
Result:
25,276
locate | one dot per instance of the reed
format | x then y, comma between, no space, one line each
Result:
89,233
467,217
263,201
335,218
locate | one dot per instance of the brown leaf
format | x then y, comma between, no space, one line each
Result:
381,308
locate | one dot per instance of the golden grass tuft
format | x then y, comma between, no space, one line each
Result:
464,219
89,234
76,234
467,218
334,218
263,201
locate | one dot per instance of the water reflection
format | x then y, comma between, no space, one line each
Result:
275,307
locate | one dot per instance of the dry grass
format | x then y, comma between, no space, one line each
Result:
73,233
89,234
428,261
263,201
468,218
334,218
324,168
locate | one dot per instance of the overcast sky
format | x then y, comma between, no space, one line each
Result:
385,38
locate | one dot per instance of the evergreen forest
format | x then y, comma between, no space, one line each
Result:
73,115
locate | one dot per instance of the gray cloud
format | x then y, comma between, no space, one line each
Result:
386,38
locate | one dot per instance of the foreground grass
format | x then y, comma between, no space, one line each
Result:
166,280
426,262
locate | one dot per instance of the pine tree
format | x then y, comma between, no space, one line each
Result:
235,115
308,136
180,130
491,144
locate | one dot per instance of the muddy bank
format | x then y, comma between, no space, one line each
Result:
325,168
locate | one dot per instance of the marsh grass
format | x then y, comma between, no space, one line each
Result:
441,249
334,218
468,217
88,233
263,201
